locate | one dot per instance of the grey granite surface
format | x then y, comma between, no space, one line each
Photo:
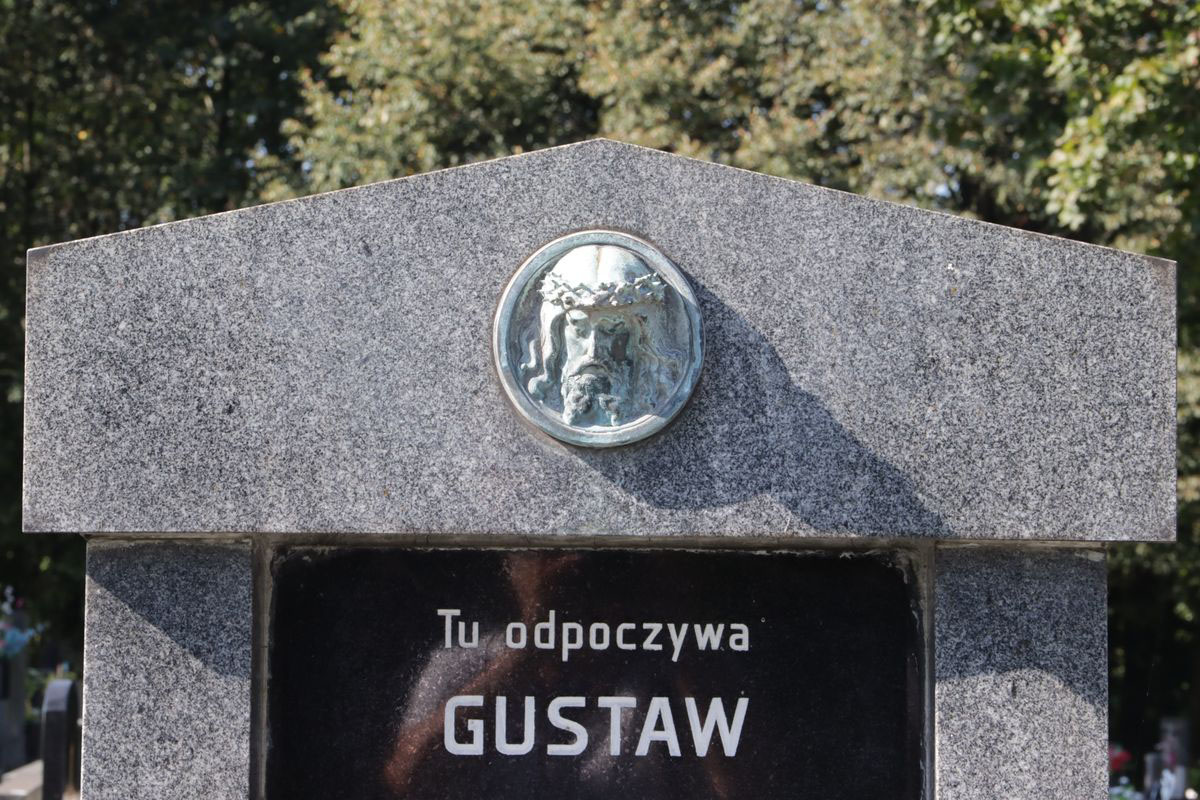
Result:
324,365
1021,685
166,696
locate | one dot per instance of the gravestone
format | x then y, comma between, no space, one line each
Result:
596,472
14,663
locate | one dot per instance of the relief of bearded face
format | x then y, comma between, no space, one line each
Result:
597,339
602,309
598,366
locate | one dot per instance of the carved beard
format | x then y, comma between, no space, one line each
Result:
590,395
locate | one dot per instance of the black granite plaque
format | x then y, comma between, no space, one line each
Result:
592,674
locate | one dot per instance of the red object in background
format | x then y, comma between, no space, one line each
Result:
1118,757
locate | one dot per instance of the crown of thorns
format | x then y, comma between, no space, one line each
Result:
558,292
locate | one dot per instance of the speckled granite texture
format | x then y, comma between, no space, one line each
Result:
1021,690
324,365
166,698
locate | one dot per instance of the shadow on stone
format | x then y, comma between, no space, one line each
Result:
195,595
750,430
1022,629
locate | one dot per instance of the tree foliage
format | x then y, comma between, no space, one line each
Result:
1063,116
117,115
410,87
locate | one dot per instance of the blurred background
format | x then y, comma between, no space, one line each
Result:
1079,118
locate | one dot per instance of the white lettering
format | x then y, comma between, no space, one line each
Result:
596,642
568,637
709,637
449,614
730,734
569,725
572,638
621,643
474,726
511,640
502,744
739,637
678,635
657,726
651,642
546,642
660,712
614,706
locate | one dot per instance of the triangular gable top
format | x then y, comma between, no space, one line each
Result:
323,366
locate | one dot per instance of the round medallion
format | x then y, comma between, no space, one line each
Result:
597,339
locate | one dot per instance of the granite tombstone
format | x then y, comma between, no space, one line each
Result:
596,471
